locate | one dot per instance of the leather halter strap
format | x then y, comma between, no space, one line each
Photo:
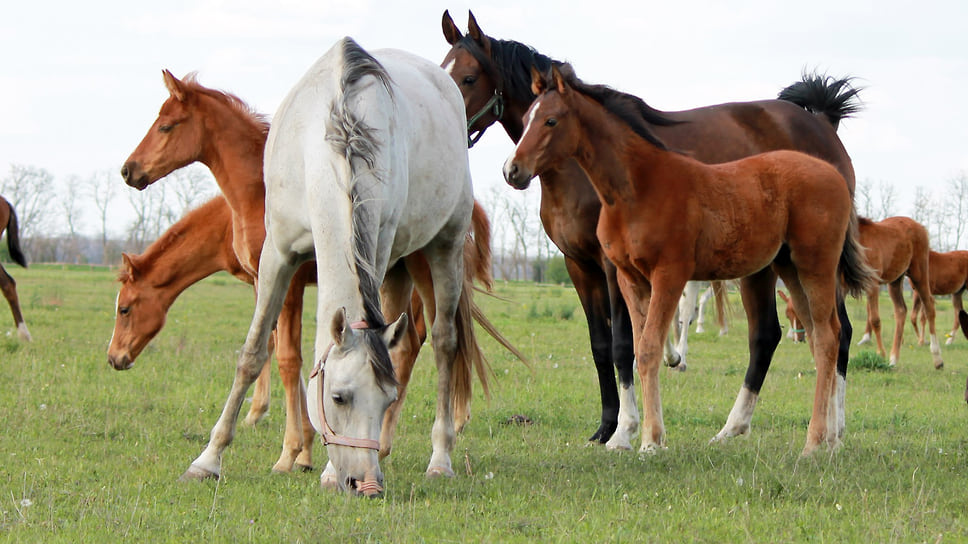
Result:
496,106
326,433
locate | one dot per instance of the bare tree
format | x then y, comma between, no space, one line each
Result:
153,215
863,196
30,190
102,186
886,200
954,207
72,218
190,186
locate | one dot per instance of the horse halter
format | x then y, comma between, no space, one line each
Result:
496,106
327,434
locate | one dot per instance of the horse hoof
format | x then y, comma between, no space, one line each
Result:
939,365
196,474
299,467
436,472
618,445
681,367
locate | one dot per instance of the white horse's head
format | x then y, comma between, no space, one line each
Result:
358,385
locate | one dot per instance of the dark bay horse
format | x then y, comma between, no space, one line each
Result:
495,79
8,222
667,218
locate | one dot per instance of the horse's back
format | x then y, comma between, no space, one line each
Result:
729,131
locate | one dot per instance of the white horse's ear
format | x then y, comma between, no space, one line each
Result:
340,328
395,332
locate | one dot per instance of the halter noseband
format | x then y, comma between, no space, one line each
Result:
327,434
496,106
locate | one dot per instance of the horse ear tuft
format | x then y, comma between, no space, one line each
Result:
559,80
451,33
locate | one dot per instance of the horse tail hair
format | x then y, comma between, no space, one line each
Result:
724,312
857,275
13,237
470,359
478,252
820,94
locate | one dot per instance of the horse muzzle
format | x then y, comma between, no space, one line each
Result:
123,362
516,175
133,175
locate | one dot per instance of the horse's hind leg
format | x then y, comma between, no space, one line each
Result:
447,271
759,302
896,291
874,319
917,313
958,307
919,281
9,288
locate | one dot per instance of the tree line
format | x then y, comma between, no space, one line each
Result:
75,220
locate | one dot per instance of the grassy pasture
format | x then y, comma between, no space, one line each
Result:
89,454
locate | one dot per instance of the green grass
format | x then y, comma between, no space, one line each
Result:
89,454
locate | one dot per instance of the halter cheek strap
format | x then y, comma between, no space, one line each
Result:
327,434
496,106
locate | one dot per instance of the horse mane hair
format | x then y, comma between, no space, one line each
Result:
821,94
509,65
259,120
630,109
358,144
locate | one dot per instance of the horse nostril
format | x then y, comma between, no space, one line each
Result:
125,172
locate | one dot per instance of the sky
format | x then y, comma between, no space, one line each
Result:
81,82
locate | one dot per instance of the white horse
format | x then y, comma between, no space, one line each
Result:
365,164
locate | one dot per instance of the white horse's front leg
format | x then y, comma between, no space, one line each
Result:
273,280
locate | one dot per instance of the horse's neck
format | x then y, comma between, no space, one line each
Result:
173,267
620,165
512,120
235,158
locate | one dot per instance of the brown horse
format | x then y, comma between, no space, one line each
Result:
219,130
199,245
8,222
495,79
668,218
898,247
948,274
796,333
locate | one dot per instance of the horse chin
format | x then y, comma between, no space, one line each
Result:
139,182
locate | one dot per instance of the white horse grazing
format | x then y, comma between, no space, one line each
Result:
365,164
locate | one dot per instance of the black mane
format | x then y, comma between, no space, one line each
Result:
510,65
821,94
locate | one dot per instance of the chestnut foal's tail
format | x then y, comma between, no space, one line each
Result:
13,236
857,275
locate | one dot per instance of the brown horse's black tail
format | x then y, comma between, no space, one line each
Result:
833,98
856,274
13,238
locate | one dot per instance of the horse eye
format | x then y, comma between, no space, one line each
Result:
165,128
469,80
124,310
551,122
339,399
